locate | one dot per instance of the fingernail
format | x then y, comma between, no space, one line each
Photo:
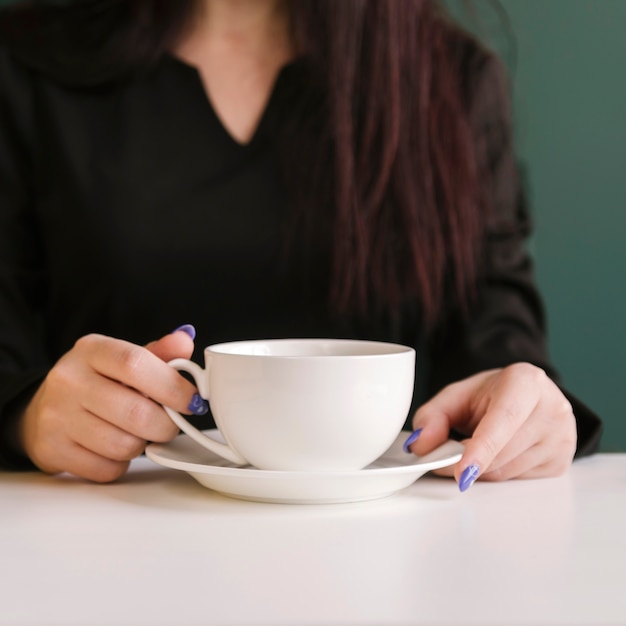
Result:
187,328
198,405
468,477
413,437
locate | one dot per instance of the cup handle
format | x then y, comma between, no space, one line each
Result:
209,443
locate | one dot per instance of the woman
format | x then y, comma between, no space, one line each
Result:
267,168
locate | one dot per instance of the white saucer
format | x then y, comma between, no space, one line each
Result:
393,471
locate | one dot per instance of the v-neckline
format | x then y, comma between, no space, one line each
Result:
264,117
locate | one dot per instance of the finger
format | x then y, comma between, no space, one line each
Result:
91,466
518,465
510,404
105,439
137,367
450,470
431,429
128,410
543,446
448,409
552,468
544,459
178,344
87,464
526,437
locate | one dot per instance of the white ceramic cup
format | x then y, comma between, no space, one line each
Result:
303,404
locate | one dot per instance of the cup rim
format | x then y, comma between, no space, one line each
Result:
383,348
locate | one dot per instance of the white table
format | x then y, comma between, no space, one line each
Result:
159,549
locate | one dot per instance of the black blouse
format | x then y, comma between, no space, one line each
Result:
127,209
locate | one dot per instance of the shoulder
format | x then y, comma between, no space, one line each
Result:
486,93
482,75
70,44
24,44
15,77
478,82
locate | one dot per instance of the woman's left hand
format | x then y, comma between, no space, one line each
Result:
518,422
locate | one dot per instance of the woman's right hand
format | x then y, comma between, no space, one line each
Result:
101,403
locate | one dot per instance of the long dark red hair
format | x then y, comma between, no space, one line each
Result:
394,154
408,201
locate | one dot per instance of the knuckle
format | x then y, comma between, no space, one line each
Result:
127,447
167,430
564,422
421,412
60,376
42,452
140,414
452,388
495,475
88,343
511,418
489,448
571,442
565,410
538,375
179,384
50,423
559,465
132,359
527,371
109,472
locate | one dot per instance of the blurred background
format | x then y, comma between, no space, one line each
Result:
567,62
570,106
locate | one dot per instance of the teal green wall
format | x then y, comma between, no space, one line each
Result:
570,107
568,70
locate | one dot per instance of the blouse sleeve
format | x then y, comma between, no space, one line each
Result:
23,362
507,324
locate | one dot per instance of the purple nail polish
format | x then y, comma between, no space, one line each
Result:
413,437
198,405
187,328
468,477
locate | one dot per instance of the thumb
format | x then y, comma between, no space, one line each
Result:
178,344
436,418
431,430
